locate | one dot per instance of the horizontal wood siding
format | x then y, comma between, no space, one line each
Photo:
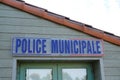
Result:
112,78
9,78
111,61
5,72
15,23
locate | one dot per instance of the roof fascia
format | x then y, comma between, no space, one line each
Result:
61,20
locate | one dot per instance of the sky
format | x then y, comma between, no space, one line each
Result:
101,14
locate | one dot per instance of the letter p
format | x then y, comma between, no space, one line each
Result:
18,43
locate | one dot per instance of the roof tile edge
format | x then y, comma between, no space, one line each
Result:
63,21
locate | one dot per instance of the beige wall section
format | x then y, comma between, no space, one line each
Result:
15,23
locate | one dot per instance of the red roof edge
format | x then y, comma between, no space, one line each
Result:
62,20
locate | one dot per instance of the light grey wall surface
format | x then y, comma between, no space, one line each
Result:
111,61
16,23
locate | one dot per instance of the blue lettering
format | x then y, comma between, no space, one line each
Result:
34,46
31,46
75,46
89,48
18,43
79,46
29,50
71,46
93,46
83,46
38,48
61,44
67,46
24,46
98,47
43,46
54,46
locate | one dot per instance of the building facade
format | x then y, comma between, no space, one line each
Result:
36,44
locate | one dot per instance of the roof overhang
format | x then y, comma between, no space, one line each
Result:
43,13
